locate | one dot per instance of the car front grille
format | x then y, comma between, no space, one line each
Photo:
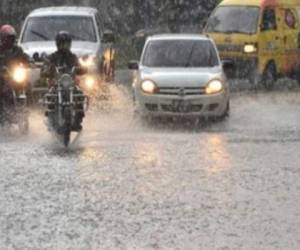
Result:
230,48
151,107
180,91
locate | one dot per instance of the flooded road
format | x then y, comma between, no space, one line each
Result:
128,185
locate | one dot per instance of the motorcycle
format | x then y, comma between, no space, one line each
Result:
13,103
65,104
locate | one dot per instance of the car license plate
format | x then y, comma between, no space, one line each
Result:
180,105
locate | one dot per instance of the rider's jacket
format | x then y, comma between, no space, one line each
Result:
65,59
9,57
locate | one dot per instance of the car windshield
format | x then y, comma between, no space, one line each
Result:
180,53
45,28
234,19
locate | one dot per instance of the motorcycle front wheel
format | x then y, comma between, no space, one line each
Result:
23,124
67,127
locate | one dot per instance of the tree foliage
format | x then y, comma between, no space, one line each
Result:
125,17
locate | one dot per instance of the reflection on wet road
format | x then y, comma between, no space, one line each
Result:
128,185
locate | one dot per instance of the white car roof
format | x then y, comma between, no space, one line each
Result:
64,10
179,37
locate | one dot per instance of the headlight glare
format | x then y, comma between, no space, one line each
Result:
90,82
19,74
87,61
213,87
250,48
148,87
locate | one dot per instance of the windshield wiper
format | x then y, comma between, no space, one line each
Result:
40,35
235,31
190,56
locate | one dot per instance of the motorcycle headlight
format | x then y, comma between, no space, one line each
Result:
149,87
66,81
90,82
87,61
213,87
19,74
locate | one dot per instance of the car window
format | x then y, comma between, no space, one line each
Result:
46,28
269,20
180,53
290,19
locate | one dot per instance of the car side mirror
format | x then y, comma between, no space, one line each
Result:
228,68
108,37
133,65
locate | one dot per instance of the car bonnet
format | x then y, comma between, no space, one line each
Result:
181,77
78,48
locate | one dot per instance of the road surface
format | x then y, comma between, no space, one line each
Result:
128,185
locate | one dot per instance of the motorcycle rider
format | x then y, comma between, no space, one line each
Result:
66,60
10,54
63,57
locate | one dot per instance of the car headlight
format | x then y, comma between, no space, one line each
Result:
149,87
19,74
66,81
87,61
90,82
250,48
213,87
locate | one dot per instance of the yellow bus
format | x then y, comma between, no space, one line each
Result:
262,37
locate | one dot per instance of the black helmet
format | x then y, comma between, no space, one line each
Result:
63,40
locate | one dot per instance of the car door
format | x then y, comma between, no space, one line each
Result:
271,42
290,31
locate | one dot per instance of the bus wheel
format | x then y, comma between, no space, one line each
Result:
296,76
269,76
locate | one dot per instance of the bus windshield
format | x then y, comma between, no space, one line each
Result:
234,19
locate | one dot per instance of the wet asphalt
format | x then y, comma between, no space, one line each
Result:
128,184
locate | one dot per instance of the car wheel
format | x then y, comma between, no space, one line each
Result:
269,76
225,114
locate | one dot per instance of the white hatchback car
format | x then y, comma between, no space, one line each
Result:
180,75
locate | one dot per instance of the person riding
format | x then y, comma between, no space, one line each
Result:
10,55
64,59
10,52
